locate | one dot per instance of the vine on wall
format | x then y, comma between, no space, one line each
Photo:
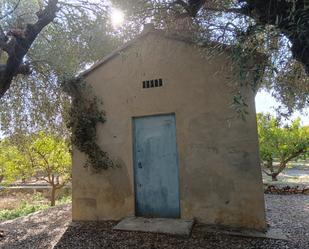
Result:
82,119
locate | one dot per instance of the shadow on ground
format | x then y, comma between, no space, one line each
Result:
38,230
101,235
52,228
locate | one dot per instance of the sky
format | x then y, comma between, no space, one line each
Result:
266,103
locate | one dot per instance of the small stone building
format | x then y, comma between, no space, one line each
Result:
183,153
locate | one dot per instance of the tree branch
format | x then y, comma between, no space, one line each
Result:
11,11
60,185
242,11
290,17
192,7
43,179
19,44
3,40
266,172
48,169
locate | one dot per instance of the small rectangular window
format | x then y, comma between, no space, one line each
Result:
152,83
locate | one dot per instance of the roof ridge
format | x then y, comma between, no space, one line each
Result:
149,29
116,52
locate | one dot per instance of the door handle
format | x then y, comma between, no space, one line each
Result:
140,165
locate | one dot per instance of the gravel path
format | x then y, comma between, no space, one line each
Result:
39,230
51,229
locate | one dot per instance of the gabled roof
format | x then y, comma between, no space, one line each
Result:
149,29
114,54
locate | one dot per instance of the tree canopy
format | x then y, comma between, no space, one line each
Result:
80,35
73,34
280,143
275,28
43,157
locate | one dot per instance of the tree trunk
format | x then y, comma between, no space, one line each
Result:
274,177
53,196
17,43
274,174
282,167
270,166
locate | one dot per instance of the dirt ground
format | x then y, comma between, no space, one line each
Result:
8,202
52,228
15,200
297,173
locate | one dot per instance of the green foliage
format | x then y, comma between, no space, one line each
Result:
67,199
281,143
83,118
23,210
240,106
14,163
45,157
51,155
81,34
278,72
28,204
29,156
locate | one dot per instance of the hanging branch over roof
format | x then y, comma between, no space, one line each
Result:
290,17
17,42
192,7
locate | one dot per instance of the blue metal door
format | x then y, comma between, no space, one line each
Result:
156,167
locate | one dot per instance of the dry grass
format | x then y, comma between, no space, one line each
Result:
21,204
13,201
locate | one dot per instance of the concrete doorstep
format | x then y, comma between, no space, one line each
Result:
181,227
156,225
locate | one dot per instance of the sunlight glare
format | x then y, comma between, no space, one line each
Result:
117,18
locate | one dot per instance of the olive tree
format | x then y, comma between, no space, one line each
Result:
17,41
278,28
274,28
